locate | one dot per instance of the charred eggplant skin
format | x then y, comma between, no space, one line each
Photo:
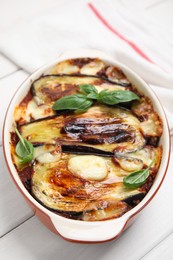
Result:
101,126
135,199
79,149
123,84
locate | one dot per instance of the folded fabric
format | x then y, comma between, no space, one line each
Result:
100,24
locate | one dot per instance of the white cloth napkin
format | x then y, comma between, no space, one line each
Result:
99,24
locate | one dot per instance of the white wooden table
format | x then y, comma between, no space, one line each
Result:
22,236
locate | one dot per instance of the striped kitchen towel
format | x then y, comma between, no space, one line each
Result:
125,34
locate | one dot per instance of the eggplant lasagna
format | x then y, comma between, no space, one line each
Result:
81,159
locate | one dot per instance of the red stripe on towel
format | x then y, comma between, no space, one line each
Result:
132,45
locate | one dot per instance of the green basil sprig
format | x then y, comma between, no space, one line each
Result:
138,178
24,149
77,102
81,102
89,90
116,96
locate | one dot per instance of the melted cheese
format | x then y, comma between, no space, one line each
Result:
130,164
88,167
152,126
34,111
48,158
108,86
92,68
47,154
63,68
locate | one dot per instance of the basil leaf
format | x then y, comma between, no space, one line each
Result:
115,97
125,95
107,98
138,178
81,102
92,96
89,90
72,102
84,107
24,149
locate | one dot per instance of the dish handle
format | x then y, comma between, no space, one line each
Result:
83,231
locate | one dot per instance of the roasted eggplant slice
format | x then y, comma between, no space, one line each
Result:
114,74
99,134
60,187
84,150
106,210
43,131
149,154
104,127
151,125
48,89
87,66
30,111
135,161
128,163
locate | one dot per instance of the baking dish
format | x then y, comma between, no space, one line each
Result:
75,230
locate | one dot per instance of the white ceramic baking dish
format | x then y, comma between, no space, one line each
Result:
82,231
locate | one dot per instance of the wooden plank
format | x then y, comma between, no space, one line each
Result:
13,208
163,251
33,241
8,86
6,67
